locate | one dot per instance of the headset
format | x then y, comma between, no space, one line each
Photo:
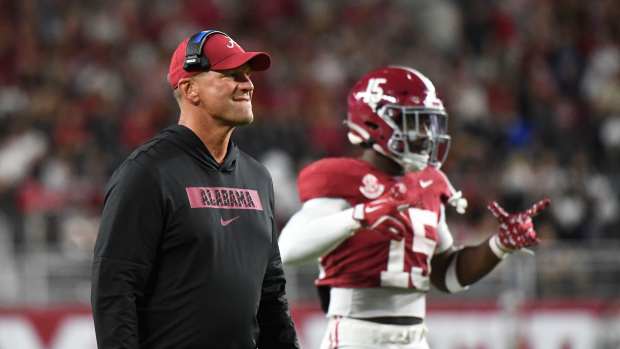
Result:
194,59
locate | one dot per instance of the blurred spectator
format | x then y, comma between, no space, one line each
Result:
280,165
18,153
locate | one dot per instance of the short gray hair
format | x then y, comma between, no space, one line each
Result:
177,94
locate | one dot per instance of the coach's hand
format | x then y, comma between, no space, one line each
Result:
516,230
383,214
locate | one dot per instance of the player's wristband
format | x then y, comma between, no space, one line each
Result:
497,248
358,212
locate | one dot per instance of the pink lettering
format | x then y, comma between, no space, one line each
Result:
221,197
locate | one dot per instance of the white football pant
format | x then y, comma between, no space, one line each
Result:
348,333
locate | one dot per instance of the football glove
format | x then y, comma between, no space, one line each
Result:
382,214
516,230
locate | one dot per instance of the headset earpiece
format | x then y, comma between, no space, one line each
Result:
194,59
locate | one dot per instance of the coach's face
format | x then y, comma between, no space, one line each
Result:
226,95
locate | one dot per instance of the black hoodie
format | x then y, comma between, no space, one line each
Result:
187,254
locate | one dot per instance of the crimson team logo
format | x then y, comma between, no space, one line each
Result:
371,188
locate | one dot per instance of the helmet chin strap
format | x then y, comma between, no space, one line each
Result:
410,163
414,162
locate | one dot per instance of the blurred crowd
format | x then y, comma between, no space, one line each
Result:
532,88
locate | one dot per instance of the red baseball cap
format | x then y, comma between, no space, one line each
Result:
223,53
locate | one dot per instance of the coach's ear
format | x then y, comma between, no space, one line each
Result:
189,90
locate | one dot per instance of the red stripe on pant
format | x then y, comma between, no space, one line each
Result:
334,334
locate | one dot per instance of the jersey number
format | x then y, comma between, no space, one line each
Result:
395,275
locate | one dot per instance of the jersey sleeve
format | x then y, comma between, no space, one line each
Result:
329,178
448,194
316,229
454,197
446,190
131,224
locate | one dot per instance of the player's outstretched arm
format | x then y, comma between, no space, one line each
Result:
323,224
454,269
320,226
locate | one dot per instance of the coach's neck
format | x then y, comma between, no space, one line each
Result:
213,134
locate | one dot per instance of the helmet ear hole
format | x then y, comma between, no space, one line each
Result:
399,146
372,125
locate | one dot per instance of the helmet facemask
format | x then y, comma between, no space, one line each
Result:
420,136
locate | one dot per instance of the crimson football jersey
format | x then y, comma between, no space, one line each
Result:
369,259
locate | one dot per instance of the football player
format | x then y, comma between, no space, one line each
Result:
377,223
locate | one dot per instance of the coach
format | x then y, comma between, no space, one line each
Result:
187,253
